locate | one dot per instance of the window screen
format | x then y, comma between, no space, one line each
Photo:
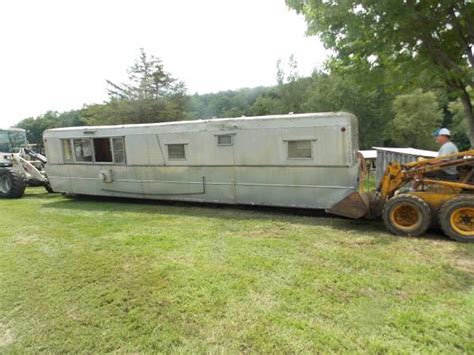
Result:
102,150
119,149
224,140
67,150
299,149
176,151
83,150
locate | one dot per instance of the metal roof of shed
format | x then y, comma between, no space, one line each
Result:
368,154
410,151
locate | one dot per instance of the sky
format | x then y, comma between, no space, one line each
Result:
57,55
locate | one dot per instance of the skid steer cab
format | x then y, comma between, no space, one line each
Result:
410,202
19,166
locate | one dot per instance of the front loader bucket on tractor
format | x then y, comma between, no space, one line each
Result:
359,203
356,205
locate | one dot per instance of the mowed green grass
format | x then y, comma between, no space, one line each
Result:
94,275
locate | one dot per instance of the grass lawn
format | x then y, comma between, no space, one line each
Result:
93,275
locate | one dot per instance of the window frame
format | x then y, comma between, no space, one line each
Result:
231,135
71,150
111,151
93,161
124,161
288,141
74,151
176,159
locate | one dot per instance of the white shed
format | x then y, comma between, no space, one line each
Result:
386,155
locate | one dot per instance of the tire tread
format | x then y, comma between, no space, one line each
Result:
18,184
425,210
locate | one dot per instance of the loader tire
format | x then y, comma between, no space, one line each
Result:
456,217
407,215
12,184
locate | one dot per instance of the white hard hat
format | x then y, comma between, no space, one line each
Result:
444,132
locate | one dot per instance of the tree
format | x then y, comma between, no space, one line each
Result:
150,95
290,90
35,126
459,123
420,38
147,80
136,111
334,92
417,115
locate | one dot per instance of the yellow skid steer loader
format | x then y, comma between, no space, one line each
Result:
426,202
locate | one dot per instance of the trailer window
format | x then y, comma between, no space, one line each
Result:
176,152
225,139
67,150
299,149
118,149
102,150
83,150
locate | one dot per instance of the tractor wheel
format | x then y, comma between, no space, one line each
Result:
456,217
12,184
407,215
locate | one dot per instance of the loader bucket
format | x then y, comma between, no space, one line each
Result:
356,205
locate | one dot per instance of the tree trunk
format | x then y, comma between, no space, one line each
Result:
468,113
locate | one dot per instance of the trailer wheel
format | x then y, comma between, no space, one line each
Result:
407,215
456,217
12,184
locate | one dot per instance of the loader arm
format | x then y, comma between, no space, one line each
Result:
362,204
29,169
397,175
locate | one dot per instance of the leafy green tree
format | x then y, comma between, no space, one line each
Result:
333,92
428,40
134,112
224,103
290,90
35,126
267,104
459,125
150,95
417,115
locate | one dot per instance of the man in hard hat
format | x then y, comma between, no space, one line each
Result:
443,138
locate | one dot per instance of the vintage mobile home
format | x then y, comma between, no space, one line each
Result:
300,160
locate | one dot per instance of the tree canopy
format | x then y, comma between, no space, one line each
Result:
389,115
417,115
429,40
150,95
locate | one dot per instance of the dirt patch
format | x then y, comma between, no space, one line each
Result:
464,263
25,239
6,335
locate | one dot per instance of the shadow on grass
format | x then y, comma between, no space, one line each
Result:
374,228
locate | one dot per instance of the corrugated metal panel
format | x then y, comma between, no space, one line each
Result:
384,157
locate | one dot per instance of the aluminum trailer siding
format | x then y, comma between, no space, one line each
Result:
300,160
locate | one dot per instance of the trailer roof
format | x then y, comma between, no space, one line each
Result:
212,120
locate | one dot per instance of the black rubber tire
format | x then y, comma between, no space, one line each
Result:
16,184
423,210
445,213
